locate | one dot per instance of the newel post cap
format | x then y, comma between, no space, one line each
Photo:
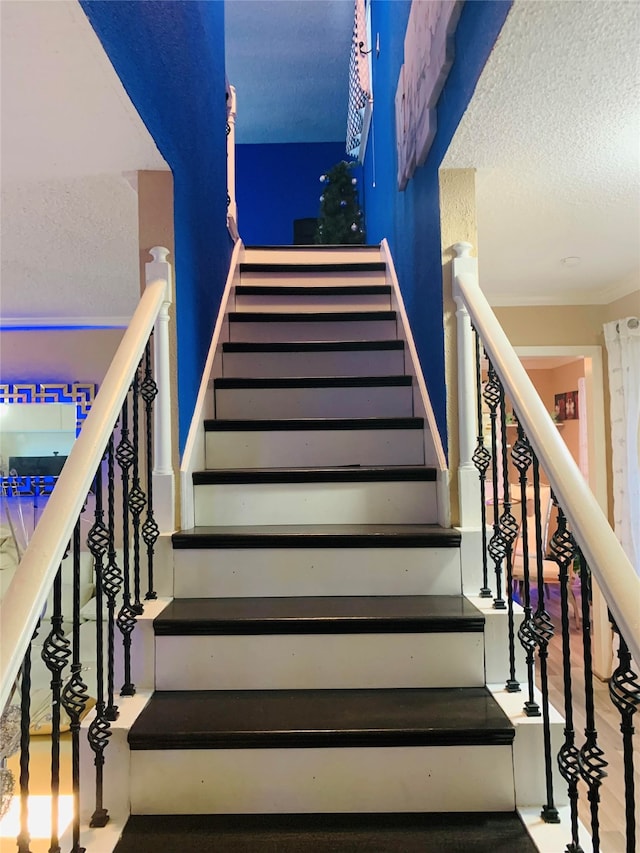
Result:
462,250
159,254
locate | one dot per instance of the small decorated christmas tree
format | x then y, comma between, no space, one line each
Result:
340,219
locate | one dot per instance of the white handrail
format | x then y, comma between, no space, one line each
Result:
610,566
232,209
30,586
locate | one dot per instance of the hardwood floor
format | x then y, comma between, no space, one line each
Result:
612,808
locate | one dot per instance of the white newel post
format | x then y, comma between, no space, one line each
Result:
163,476
468,481
232,210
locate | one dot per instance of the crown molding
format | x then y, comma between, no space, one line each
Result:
588,297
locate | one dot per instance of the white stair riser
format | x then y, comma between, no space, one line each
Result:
313,279
310,448
390,779
311,255
313,302
316,503
322,330
252,572
275,364
319,661
360,402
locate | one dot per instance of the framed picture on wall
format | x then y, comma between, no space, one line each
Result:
571,405
566,406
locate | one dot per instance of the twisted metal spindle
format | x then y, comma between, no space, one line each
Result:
591,757
509,530
624,689
543,631
137,499
562,547
150,530
99,729
482,459
25,721
497,546
111,584
56,653
522,457
75,694
127,614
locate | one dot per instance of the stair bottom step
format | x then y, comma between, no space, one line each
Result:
465,832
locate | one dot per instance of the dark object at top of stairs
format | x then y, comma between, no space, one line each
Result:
462,832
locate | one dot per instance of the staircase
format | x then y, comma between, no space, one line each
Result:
320,678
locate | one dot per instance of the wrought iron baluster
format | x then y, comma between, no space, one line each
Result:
75,694
127,614
563,549
591,757
497,545
111,584
543,631
150,530
624,689
482,459
509,530
137,499
99,729
522,457
25,722
56,654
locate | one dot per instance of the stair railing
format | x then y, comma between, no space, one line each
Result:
583,541
118,431
232,206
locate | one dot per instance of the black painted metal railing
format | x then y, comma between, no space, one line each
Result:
81,670
542,560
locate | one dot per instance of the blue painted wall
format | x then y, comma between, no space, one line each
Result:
278,183
170,59
411,220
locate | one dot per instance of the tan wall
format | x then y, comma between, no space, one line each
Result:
458,223
571,325
57,355
156,228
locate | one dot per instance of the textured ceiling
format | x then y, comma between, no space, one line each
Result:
69,132
554,133
64,110
289,62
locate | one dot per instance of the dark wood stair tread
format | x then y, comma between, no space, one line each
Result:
393,380
319,615
310,346
328,266
313,290
313,382
309,316
318,536
289,424
346,474
237,719
461,832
